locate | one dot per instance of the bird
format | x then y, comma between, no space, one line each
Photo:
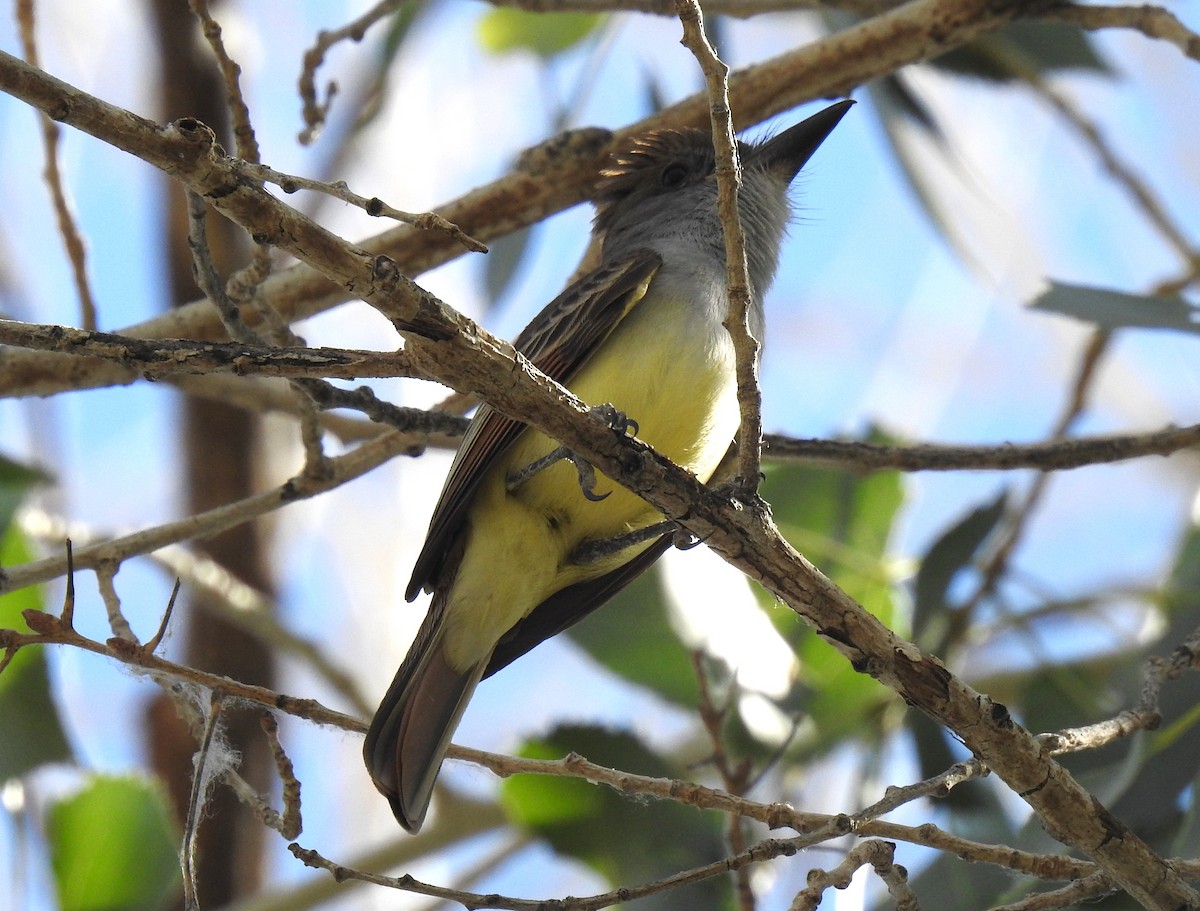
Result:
526,539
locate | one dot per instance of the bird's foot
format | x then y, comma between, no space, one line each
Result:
617,420
590,552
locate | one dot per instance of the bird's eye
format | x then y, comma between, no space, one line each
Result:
674,176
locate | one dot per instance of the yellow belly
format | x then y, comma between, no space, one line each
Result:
679,386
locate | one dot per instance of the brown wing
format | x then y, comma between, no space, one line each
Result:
558,341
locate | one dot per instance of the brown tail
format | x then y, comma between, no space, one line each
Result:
411,730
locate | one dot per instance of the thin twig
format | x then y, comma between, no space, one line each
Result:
106,573
1144,716
875,853
290,824
1151,20
315,461
205,272
49,630
1051,455
164,624
1072,895
374,206
734,779
235,601
239,113
68,609
1017,522
200,782
315,112
936,787
1153,208
728,170
73,242
759,853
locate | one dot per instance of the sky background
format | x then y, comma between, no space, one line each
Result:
873,319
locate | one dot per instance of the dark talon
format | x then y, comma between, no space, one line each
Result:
587,480
618,420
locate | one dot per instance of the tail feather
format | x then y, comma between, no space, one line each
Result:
411,730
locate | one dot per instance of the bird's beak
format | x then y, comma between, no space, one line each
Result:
788,152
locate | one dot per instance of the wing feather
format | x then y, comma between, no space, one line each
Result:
558,341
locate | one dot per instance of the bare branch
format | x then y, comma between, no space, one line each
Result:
759,853
1052,455
1073,895
239,113
288,824
49,630
76,249
1152,21
729,179
375,207
873,852
201,780
157,358
315,112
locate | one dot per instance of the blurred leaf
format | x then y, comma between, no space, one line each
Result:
1183,587
26,710
503,29
500,265
1115,310
1152,804
113,846
1187,840
1024,47
897,103
627,841
951,552
842,523
16,480
400,28
894,93
632,637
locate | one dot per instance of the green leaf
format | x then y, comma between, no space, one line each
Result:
1115,310
632,637
1024,48
27,713
114,846
842,523
627,841
16,480
949,554
503,29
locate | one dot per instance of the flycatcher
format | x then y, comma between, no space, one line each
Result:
521,544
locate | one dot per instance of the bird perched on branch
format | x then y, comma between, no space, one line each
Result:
527,539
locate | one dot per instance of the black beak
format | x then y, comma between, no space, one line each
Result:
790,150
